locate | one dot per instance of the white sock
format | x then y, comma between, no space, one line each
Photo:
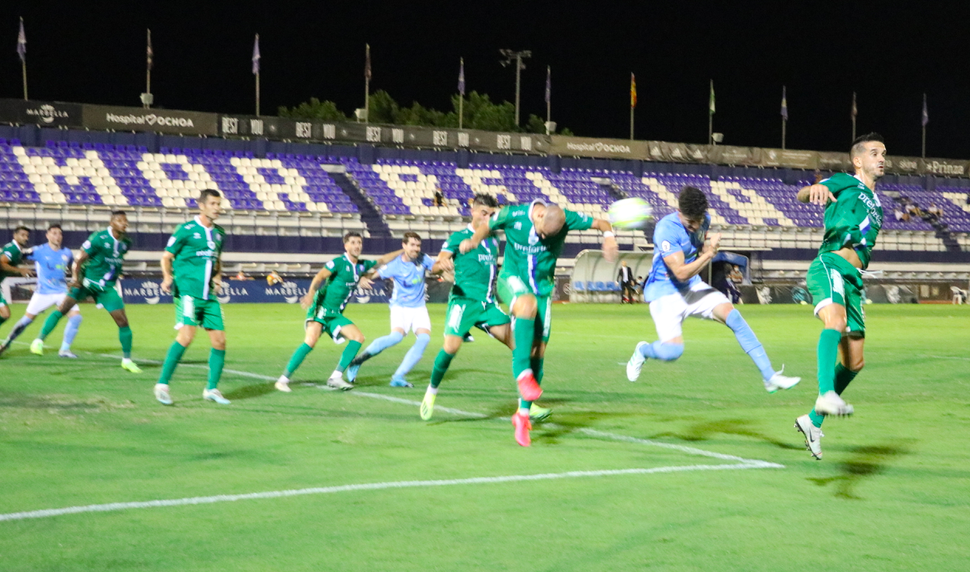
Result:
432,390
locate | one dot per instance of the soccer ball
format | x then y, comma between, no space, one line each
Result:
632,213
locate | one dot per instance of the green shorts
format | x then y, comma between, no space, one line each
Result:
192,311
467,313
511,287
331,320
106,296
832,280
3,302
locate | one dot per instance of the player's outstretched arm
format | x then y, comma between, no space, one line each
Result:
314,286
817,194
389,257
444,263
9,268
610,247
167,275
472,243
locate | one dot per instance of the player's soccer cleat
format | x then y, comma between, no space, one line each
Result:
468,338
400,382
528,387
337,382
215,395
161,394
283,384
813,435
538,414
67,354
635,364
3,346
832,404
779,381
128,365
37,347
522,427
352,370
427,406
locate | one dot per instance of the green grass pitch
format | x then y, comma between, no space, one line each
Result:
694,467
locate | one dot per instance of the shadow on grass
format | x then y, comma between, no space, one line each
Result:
865,462
742,427
250,391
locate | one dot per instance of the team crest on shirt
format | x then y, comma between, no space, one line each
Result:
665,246
517,226
196,235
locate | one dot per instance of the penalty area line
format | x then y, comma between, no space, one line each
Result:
112,507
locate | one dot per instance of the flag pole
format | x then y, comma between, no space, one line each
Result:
148,71
924,121
367,74
855,111
710,117
461,94
633,101
256,61
783,125
24,67
548,96
22,52
784,116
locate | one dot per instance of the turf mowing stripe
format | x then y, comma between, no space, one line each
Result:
371,487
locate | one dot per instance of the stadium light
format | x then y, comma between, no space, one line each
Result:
517,57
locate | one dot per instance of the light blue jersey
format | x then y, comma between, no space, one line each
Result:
408,280
671,236
53,267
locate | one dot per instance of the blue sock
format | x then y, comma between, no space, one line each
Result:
413,356
661,351
70,332
749,343
19,327
380,344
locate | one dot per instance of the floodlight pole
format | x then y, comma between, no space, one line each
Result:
517,56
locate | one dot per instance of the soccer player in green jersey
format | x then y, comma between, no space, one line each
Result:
853,217
534,235
329,293
13,253
193,262
95,273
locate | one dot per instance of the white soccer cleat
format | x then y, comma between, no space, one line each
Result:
635,364
67,354
779,381
813,435
283,384
832,404
337,382
162,395
215,395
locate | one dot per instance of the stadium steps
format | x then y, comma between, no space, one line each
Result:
368,214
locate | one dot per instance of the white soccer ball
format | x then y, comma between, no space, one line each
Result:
632,213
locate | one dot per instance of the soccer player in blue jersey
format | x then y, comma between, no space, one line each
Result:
52,262
408,309
674,290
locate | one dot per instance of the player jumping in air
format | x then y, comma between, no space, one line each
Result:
95,274
675,291
534,234
853,217
193,261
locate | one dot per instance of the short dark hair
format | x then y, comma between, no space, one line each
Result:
206,193
20,228
55,225
118,213
692,203
485,200
409,235
858,146
352,234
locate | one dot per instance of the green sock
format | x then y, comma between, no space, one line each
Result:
828,355
524,336
350,352
441,365
2,320
298,356
172,359
217,359
50,323
124,334
843,377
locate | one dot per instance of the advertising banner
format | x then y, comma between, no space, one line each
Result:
599,148
44,114
157,120
149,291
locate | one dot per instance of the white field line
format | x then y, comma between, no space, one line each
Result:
369,487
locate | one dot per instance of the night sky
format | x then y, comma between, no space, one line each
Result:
821,51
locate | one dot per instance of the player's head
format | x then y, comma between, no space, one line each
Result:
549,220
210,204
21,235
482,206
692,208
868,154
353,243
412,245
55,236
119,221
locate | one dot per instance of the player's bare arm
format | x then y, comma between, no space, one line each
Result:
389,257
444,263
7,267
82,259
610,247
167,258
816,194
472,243
314,286
684,272
217,277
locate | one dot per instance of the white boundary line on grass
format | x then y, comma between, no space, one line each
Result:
740,464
